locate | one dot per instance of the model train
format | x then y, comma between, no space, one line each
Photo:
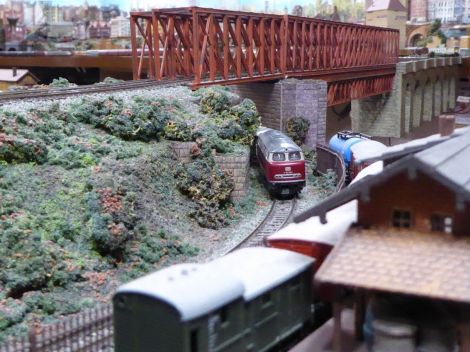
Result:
248,300
281,160
353,147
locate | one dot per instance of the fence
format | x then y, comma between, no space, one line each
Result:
88,331
328,159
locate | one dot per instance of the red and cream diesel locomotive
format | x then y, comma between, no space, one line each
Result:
281,160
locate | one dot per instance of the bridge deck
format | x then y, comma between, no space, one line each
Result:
225,47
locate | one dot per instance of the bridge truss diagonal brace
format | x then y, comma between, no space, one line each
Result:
213,46
344,91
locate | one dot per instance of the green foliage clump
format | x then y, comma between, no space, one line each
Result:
297,129
28,262
111,80
21,150
177,130
236,123
208,138
214,101
12,311
113,219
156,246
144,119
60,82
204,182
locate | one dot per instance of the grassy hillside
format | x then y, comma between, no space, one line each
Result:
90,195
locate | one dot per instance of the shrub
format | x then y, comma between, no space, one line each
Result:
144,119
297,128
113,221
60,82
214,101
177,130
21,150
204,182
28,262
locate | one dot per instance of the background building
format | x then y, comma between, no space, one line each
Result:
120,27
388,13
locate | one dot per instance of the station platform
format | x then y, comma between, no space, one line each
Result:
321,340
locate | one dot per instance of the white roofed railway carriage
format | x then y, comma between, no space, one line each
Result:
179,308
278,292
281,160
246,301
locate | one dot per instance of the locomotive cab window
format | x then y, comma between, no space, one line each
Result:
295,156
279,157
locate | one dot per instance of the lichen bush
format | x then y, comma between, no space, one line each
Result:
297,128
205,184
60,82
235,122
111,80
90,194
144,119
20,150
214,100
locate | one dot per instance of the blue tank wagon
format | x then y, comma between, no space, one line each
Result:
353,146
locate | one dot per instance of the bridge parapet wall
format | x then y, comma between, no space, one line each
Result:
422,90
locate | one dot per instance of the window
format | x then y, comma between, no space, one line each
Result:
223,315
441,223
266,300
279,157
294,156
194,340
401,218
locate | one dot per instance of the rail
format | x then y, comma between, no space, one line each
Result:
53,93
278,216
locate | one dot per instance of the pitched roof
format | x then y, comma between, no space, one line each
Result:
379,5
432,265
402,149
6,75
447,162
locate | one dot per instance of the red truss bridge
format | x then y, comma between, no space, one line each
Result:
210,46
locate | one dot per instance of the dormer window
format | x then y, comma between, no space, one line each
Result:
441,223
401,218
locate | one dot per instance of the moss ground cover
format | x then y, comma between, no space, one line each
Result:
90,195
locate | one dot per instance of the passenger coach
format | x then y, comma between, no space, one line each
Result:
281,160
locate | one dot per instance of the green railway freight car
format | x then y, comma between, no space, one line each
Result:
248,300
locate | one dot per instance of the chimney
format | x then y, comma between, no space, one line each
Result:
14,71
446,124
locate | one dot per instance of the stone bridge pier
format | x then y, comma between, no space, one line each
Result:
280,101
421,90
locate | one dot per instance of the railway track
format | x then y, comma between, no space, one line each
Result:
52,93
279,215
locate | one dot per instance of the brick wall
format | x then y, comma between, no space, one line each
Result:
236,167
421,90
277,102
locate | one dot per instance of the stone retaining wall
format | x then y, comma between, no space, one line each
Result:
421,91
280,101
236,167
